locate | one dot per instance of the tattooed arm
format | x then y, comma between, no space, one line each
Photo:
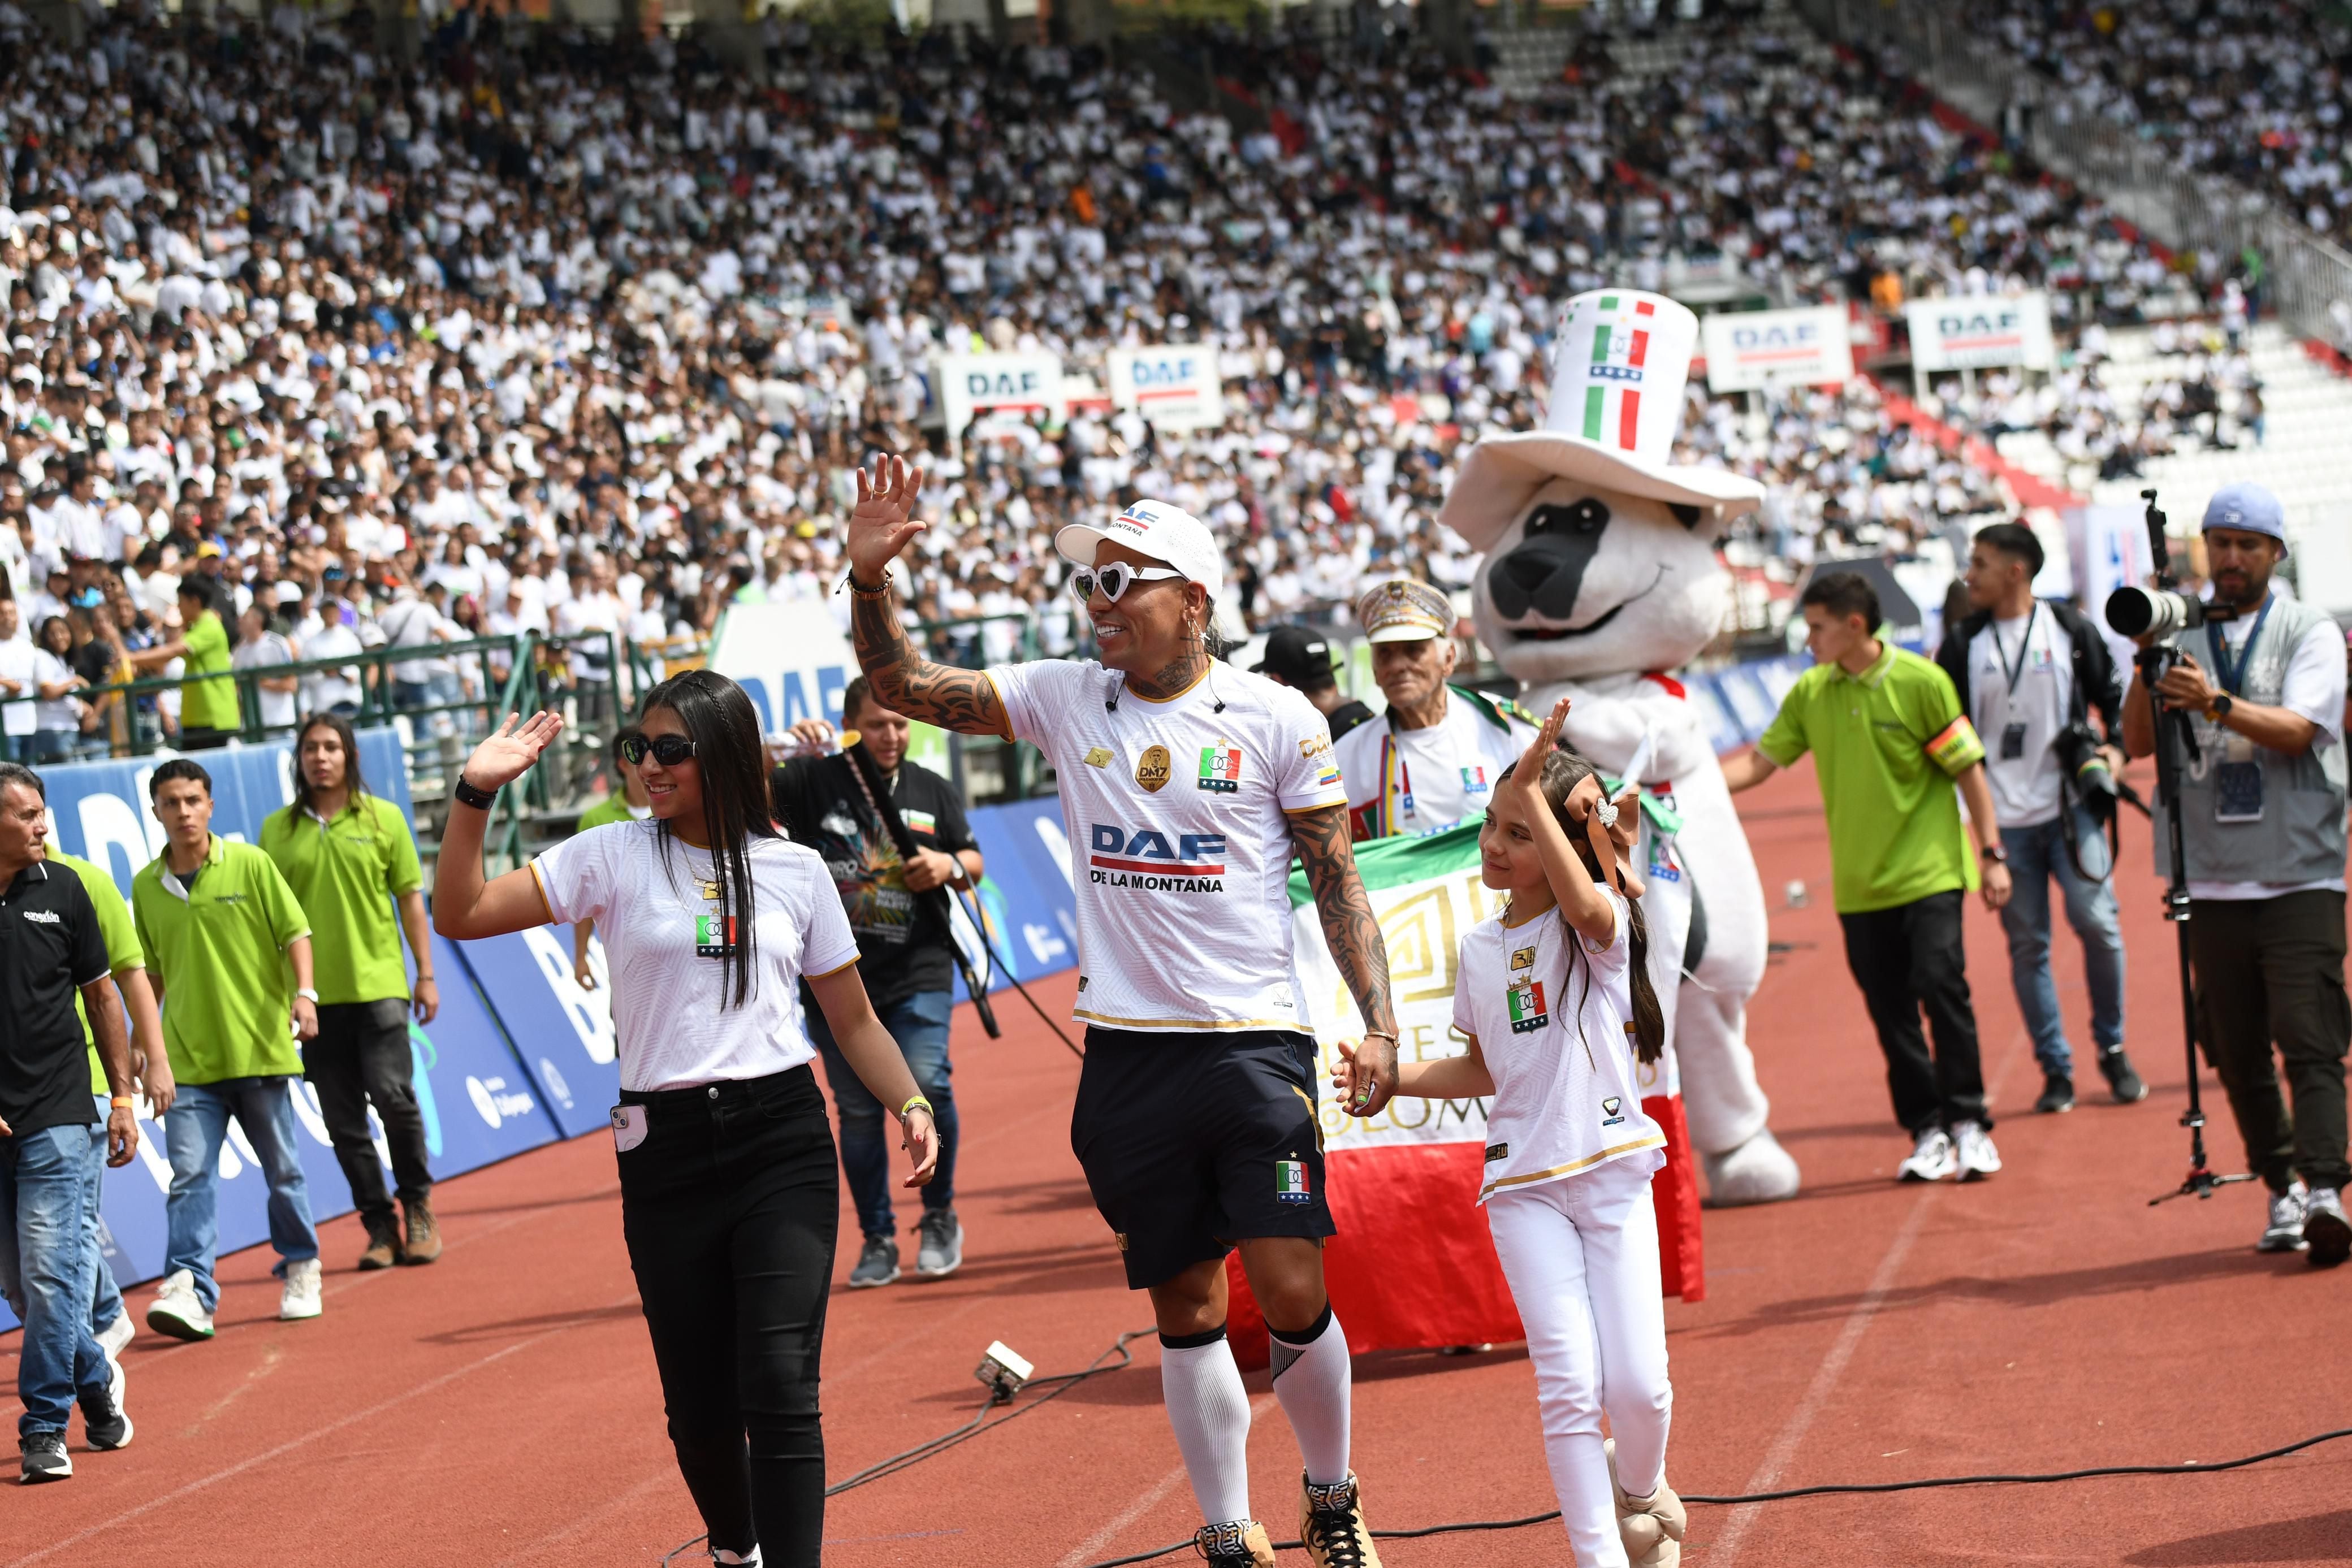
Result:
1321,837
880,527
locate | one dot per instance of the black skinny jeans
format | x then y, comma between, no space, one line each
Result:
1906,959
361,1055
730,1207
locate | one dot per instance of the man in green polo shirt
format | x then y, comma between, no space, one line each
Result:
351,860
1890,741
209,706
221,930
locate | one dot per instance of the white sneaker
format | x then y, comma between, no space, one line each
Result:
2285,1232
300,1299
2326,1228
1976,1155
1934,1159
177,1311
118,1336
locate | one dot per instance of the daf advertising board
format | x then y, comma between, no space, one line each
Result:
1974,331
1175,386
971,384
1748,350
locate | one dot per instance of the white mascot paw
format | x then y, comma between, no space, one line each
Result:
1757,1171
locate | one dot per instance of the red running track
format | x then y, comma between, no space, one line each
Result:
499,1408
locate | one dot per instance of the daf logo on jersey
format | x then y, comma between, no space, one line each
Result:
1153,861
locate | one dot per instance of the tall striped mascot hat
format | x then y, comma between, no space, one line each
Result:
1618,363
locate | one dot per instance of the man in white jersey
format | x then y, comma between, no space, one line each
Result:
1432,761
1187,786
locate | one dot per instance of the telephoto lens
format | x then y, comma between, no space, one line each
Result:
2154,611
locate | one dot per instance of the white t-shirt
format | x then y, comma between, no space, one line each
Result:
322,689
2314,687
54,713
19,662
1179,841
1430,779
268,649
661,939
1550,1011
2037,650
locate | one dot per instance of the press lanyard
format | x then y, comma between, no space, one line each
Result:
2024,646
2232,679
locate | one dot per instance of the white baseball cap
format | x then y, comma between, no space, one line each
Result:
1157,529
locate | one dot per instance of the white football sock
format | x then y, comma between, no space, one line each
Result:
1311,1378
1210,1410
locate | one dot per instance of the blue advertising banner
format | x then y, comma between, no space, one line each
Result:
562,1031
1032,923
99,810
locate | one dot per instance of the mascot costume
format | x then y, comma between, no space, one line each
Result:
1601,577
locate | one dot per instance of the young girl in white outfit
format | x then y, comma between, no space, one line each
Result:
1555,998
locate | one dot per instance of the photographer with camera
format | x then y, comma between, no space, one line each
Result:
2261,802
2029,673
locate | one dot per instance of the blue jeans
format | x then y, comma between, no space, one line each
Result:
2036,854
193,1135
44,1198
920,1024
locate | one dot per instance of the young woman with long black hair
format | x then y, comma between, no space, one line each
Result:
728,1194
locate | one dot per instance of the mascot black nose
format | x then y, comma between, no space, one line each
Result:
1547,571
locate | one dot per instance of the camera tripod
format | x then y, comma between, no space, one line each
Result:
2176,746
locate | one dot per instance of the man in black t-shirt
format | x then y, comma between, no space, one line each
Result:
50,949
897,905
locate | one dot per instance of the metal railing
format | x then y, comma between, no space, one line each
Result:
2139,179
515,674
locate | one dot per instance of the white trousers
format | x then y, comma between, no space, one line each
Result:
1581,1256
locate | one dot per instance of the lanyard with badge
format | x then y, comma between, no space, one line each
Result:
2012,734
2238,777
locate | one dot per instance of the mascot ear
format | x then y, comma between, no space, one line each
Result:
1687,516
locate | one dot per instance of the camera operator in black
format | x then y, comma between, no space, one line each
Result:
902,929
2262,819
2029,672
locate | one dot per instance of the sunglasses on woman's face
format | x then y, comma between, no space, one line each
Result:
670,750
1113,579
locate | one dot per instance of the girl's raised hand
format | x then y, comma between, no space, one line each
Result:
1528,775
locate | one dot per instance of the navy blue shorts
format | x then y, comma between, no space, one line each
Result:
1194,1141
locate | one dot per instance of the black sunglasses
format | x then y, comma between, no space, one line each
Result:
670,750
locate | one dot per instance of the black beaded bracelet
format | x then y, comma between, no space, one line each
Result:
480,799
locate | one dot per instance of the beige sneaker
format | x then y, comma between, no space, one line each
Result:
1652,1527
1240,1544
1331,1525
